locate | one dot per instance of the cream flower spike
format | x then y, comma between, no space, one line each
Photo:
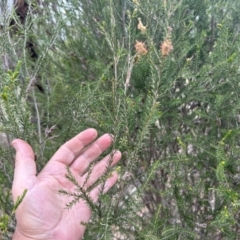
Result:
140,26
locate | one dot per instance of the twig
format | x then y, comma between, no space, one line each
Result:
38,121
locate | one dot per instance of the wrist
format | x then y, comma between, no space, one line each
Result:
18,236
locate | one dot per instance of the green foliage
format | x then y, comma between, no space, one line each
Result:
4,221
18,201
175,116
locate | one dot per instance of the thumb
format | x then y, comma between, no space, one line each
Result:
25,168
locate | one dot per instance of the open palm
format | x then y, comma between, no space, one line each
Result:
42,213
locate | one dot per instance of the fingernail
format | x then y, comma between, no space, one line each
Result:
111,136
14,145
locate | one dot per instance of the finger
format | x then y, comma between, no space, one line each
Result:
101,189
81,163
25,168
100,168
71,149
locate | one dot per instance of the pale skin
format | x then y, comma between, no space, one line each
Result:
42,214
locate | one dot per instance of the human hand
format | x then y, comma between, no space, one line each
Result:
41,214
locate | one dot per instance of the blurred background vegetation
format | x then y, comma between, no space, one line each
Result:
162,76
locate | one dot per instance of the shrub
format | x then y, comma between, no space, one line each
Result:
163,77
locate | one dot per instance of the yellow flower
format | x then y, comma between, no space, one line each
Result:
140,48
166,47
140,26
136,2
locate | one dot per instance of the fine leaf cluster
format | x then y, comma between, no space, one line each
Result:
162,77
